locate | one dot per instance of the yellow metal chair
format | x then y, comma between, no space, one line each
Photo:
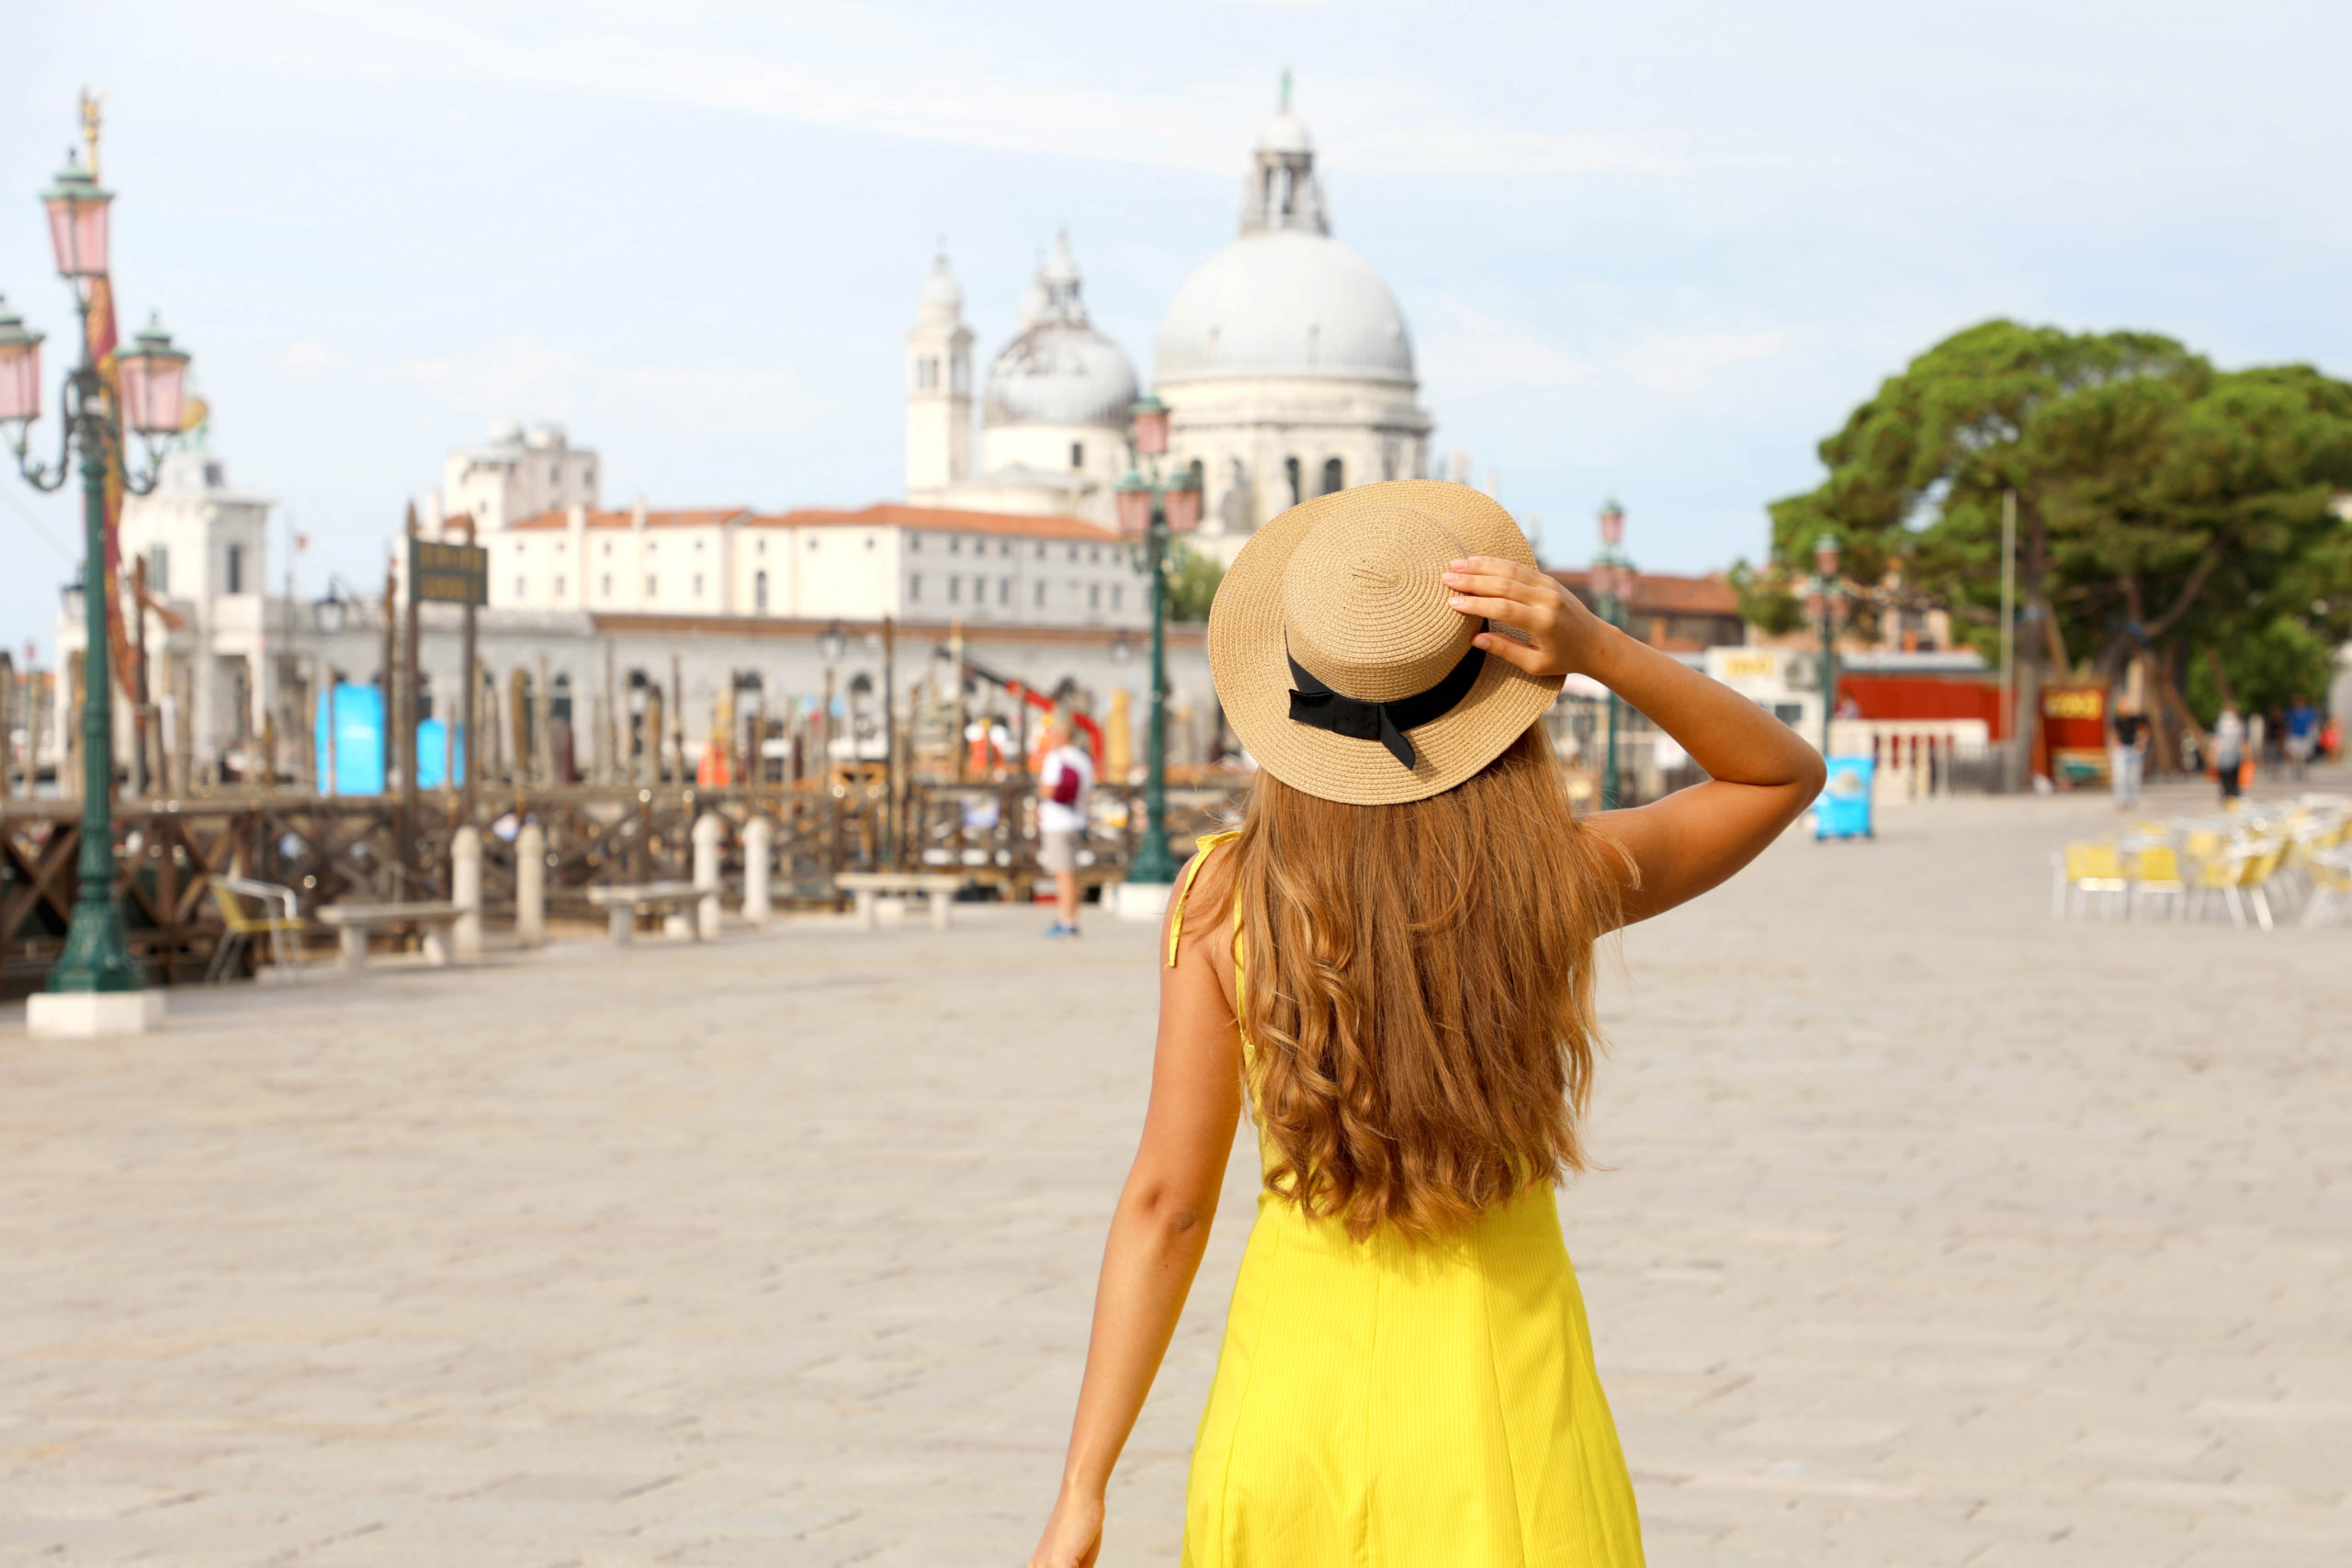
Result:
241,928
2155,873
2331,884
2239,878
2090,871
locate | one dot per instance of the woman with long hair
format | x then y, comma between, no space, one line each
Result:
1390,966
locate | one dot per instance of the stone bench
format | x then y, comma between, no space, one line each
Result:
355,922
938,888
627,902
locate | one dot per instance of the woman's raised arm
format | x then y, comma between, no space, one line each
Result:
1761,774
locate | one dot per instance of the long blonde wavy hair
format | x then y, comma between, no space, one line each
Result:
1417,992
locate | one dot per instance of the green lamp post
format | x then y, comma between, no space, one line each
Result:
1611,580
1827,594
1153,511
149,384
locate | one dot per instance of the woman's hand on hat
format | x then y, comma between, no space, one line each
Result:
1562,633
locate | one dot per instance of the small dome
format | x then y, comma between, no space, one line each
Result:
1285,302
506,432
1060,372
1284,134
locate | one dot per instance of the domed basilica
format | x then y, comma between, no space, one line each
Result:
1283,360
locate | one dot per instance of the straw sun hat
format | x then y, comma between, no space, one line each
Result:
1340,664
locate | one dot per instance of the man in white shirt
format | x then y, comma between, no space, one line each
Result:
1065,790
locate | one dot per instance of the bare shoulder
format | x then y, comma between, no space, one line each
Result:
1204,908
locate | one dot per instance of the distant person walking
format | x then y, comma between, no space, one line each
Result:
1065,790
2229,749
2127,756
2302,733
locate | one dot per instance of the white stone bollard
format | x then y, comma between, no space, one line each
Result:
707,831
759,843
531,885
465,891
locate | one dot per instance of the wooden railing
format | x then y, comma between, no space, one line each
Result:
332,849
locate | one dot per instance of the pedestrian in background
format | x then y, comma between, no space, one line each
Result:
2302,733
1065,792
2229,749
2127,754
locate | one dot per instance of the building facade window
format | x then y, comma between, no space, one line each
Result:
521,590
1093,595
914,588
604,585
955,589
558,586
1118,596
1334,477
1004,590
1077,454
159,570
652,585
1040,596
759,590
697,587
233,570
1290,473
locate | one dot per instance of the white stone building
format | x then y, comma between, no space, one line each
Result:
1283,359
517,474
907,563
1054,410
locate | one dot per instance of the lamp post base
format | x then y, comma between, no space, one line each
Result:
87,1015
1140,901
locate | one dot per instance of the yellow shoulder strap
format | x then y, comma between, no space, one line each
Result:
1185,886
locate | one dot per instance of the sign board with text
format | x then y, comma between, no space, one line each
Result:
442,573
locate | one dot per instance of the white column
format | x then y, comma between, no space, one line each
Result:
531,885
708,830
759,843
465,890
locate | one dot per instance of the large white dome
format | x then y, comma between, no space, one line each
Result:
1285,302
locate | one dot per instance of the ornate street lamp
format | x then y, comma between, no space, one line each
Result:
152,377
1152,511
1612,581
1825,594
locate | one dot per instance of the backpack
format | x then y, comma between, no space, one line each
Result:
1065,785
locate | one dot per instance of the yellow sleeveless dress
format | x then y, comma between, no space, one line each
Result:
1379,1404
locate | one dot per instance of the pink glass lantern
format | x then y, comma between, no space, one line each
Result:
19,369
1612,523
1183,502
1134,504
153,377
1151,426
1824,557
78,221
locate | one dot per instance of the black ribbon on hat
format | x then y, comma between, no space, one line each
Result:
1317,706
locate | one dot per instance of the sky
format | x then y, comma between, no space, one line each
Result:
1653,252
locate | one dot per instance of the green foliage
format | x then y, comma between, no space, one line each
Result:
2266,671
1765,602
1193,579
2160,501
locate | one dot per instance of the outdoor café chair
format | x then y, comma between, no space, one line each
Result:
2085,871
240,929
2155,873
2239,878
2330,884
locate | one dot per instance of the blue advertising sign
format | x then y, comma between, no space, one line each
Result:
434,755
1844,809
356,717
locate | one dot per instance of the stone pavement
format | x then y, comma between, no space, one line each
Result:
1938,1233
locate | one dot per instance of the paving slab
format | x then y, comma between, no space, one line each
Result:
1933,1231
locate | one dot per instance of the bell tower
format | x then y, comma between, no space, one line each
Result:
939,387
